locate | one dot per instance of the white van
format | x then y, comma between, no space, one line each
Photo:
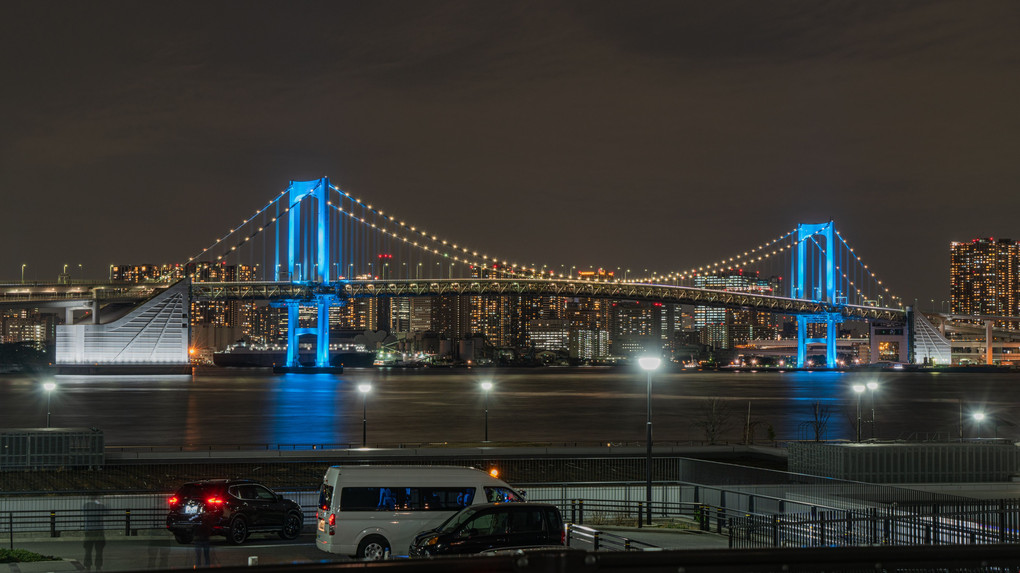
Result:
371,511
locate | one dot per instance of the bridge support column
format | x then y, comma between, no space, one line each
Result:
292,333
322,339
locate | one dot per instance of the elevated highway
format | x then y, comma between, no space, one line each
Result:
48,294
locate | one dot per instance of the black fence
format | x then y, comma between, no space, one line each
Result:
958,524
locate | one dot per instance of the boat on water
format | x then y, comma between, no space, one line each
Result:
245,356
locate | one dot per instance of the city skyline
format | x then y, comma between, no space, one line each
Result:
656,135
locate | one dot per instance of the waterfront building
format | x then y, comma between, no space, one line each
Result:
985,278
549,334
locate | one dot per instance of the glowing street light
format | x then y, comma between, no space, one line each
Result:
49,387
649,364
486,386
23,265
978,418
859,389
364,389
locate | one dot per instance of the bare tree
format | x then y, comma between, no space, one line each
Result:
715,418
819,422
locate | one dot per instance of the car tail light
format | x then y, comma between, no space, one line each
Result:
332,519
563,536
214,501
173,500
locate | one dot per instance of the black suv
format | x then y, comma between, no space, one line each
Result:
234,508
492,526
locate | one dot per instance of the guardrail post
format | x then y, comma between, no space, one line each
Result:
873,526
570,532
1002,521
127,523
595,540
886,531
626,544
775,530
821,530
53,524
849,533
10,523
640,513
703,517
580,512
720,516
573,511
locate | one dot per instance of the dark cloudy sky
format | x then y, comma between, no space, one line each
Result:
657,135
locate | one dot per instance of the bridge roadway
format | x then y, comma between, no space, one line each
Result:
45,294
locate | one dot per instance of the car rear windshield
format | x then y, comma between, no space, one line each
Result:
198,491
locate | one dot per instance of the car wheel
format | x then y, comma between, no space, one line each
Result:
183,537
373,548
291,527
238,531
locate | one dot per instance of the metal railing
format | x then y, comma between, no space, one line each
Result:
603,541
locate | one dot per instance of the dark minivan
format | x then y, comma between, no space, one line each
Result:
492,526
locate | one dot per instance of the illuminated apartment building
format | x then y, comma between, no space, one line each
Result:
725,328
985,278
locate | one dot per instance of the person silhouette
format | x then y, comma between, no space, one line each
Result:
93,517
203,530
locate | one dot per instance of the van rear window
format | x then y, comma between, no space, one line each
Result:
405,498
325,496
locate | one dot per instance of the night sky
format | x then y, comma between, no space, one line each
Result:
659,135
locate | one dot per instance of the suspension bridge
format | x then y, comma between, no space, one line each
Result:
316,245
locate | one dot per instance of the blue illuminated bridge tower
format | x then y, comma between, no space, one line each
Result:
307,259
813,276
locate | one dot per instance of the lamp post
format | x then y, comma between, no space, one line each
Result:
364,389
486,386
23,265
49,387
872,386
648,363
859,389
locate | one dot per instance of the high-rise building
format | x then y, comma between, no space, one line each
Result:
726,328
985,278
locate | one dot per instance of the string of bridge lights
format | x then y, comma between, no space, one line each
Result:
237,228
748,257
728,264
484,258
869,272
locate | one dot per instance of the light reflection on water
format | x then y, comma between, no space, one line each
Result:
535,405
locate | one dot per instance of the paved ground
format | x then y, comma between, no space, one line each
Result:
158,550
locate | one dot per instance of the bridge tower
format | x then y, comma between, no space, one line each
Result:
814,278
307,260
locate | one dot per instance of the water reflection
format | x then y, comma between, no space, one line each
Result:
307,409
223,407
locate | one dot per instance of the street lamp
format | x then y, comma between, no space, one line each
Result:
364,389
49,387
649,363
978,418
872,386
23,265
486,386
859,389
